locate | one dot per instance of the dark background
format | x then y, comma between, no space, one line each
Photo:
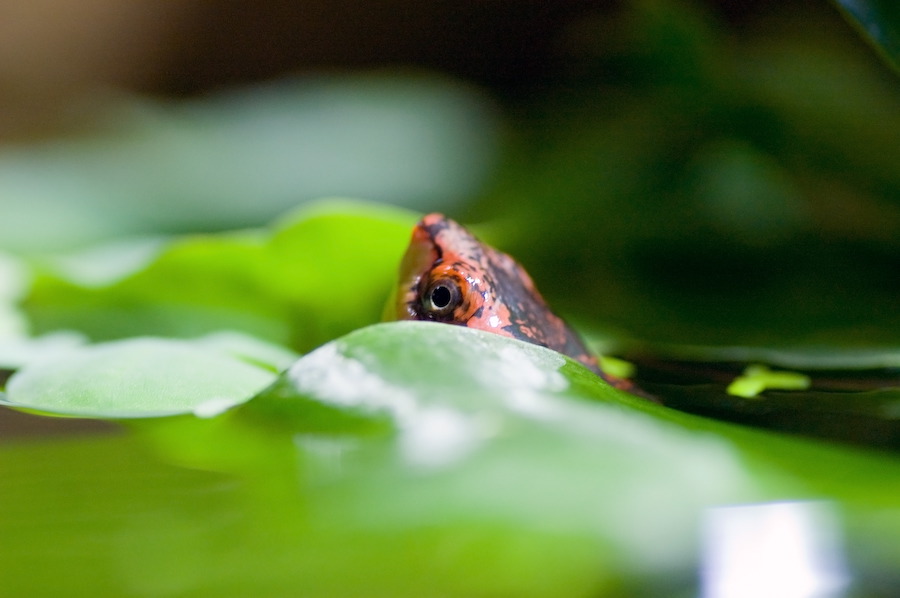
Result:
53,53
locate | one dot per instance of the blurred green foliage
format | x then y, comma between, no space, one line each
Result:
879,21
685,185
243,157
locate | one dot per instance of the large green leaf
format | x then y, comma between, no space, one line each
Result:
411,459
315,275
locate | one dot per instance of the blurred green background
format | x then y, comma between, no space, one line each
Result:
668,171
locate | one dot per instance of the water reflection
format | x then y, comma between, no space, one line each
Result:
786,549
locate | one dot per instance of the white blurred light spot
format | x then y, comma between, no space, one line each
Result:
776,550
428,436
438,437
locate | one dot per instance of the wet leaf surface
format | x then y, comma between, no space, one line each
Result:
406,453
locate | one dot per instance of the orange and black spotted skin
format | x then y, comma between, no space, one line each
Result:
447,275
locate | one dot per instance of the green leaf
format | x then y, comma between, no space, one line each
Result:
250,349
135,378
879,21
406,372
758,378
486,427
315,275
410,459
334,265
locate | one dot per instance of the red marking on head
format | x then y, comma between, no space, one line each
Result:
419,256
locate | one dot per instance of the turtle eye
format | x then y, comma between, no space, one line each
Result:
441,297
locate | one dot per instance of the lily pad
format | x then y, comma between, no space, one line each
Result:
135,378
469,427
